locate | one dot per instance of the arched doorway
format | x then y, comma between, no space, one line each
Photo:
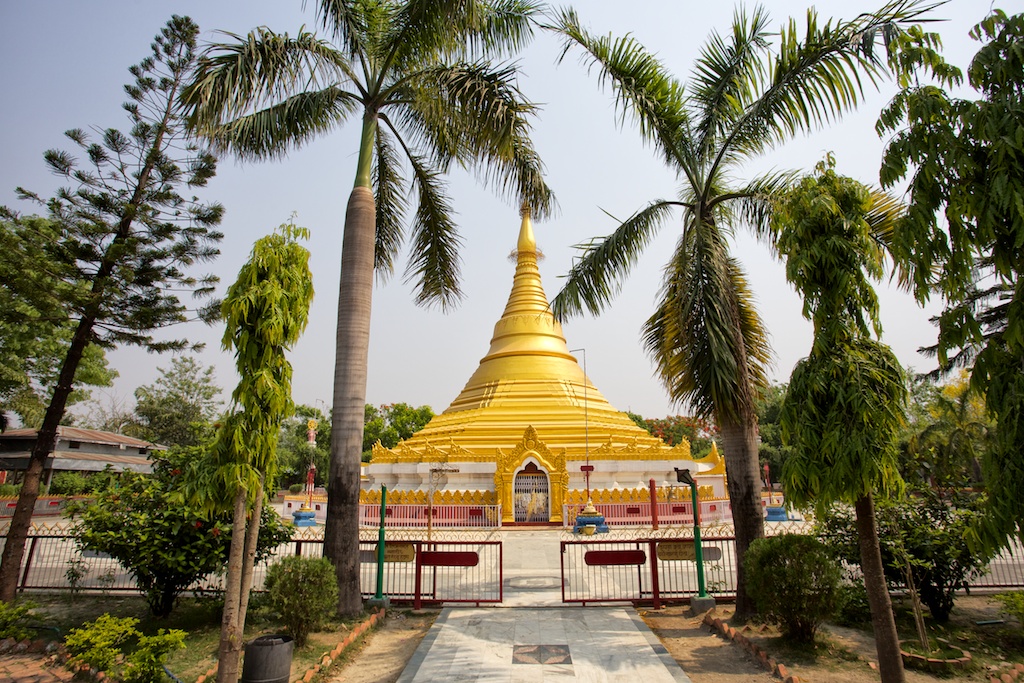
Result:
530,494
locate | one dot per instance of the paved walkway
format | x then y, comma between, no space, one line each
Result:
532,637
31,668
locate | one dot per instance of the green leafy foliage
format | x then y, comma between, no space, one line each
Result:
165,542
32,344
795,583
927,529
673,429
294,451
145,664
392,422
773,451
130,234
179,408
102,645
303,592
1013,604
844,408
964,233
69,484
98,643
12,620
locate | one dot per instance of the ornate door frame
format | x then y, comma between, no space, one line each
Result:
510,464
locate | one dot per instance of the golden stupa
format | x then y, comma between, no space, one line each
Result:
524,426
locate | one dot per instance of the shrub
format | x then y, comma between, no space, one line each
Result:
12,619
1013,604
101,644
303,591
69,484
10,490
98,643
854,609
146,663
928,530
295,488
166,543
795,582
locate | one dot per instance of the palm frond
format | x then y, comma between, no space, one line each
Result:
346,21
272,132
597,275
753,203
725,76
475,115
434,267
642,86
708,344
390,203
257,70
815,79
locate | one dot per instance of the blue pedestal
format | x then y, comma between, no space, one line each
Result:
304,517
585,520
777,514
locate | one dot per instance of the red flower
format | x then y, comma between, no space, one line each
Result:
199,524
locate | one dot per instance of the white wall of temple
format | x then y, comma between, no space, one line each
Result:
479,476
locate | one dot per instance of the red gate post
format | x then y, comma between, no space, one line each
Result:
653,557
654,505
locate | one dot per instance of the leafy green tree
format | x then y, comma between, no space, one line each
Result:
34,331
166,543
926,530
845,405
417,76
294,450
673,429
744,98
179,408
949,442
773,451
266,311
965,226
391,423
127,241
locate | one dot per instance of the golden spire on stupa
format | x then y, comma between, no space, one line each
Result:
528,378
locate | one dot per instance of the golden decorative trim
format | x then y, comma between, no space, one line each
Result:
507,463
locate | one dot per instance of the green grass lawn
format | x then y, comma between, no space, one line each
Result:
198,617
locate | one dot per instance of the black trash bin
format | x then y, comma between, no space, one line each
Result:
268,659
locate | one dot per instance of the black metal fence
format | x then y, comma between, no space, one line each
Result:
53,561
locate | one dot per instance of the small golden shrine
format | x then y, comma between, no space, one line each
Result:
525,425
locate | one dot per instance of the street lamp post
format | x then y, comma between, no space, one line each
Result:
702,602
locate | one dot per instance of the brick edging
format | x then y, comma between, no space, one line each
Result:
756,651
1012,674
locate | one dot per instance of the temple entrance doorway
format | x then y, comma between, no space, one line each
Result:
530,495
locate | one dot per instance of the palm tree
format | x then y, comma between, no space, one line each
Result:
415,73
706,339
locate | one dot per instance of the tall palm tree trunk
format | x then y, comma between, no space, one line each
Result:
341,533
740,444
887,641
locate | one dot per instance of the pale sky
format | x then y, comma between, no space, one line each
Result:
63,66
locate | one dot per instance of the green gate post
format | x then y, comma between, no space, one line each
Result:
378,599
702,602
698,550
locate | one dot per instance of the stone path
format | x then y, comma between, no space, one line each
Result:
31,668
